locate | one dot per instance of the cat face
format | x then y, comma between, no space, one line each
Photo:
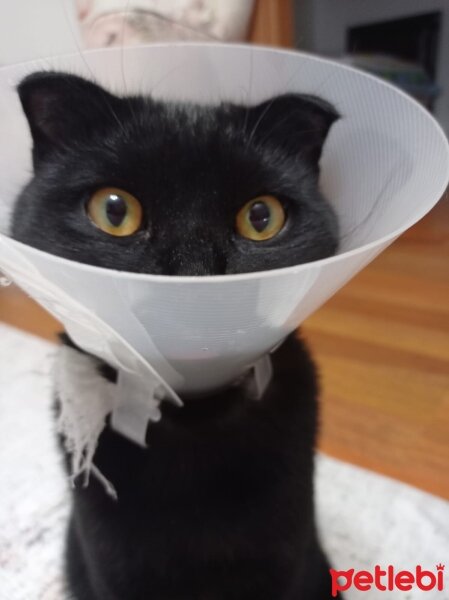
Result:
140,185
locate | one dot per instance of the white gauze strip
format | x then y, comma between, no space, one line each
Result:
86,398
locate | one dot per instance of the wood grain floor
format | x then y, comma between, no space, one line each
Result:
383,347
382,344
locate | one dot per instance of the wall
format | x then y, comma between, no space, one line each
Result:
321,27
36,28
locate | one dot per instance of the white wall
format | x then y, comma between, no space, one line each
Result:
323,30
36,28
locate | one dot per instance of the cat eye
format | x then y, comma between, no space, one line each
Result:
115,211
261,218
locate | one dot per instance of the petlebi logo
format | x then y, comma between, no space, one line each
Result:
388,579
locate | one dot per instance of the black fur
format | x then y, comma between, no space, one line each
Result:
220,506
191,168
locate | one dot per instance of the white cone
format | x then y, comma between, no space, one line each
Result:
384,166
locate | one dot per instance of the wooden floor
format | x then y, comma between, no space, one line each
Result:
382,344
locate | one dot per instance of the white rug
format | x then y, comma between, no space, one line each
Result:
365,519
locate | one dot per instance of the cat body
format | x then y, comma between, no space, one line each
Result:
220,504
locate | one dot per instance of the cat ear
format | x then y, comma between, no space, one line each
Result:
61,108
299,123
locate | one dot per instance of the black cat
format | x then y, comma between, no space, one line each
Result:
220,505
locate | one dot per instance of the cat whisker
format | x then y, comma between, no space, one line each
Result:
93,78
75,40
167,75
250,92
278,125
122,43
260,119
379,198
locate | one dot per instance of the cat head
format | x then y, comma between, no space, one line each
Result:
141,185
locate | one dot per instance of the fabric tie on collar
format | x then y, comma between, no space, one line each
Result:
86,399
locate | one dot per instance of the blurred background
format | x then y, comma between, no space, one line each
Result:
382,343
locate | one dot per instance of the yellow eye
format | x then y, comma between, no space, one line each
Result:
115,211
260,219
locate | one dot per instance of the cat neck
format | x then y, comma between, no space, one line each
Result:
92,393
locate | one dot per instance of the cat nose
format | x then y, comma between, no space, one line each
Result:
201,261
